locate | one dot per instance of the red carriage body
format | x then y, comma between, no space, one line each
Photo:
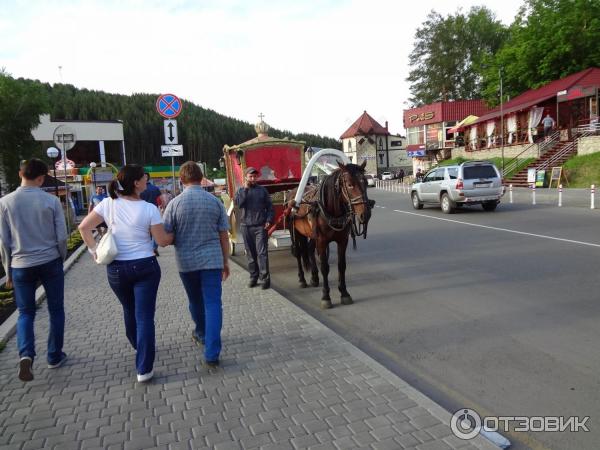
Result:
280,163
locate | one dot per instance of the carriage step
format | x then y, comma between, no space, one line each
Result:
280,239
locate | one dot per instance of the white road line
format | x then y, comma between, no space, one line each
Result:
543,236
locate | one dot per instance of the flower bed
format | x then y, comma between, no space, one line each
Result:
7,300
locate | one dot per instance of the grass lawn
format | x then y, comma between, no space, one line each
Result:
582,171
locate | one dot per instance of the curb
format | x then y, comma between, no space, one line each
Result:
9,327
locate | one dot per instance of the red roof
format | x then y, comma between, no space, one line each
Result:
586,78
364,126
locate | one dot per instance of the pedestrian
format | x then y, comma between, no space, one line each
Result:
165,198
401,176
134,275
256,208
419,176
549,124
95,201
200,227
33,246
151,195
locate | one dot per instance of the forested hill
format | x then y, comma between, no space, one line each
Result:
203,132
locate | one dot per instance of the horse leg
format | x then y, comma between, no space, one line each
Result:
324,263
301,278
297,245
341,247
314,268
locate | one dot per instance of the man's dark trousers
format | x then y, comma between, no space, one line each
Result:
256,242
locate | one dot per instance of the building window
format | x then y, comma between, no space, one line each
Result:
434,136
396,143
416,135
349,146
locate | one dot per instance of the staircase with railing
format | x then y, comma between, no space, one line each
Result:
552,153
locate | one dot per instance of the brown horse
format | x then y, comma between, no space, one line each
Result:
330,212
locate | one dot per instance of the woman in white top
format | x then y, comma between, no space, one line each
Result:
134,275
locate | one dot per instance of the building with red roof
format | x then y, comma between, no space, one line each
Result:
428,128
367,140
571,101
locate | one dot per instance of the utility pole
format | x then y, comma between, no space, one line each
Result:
501,121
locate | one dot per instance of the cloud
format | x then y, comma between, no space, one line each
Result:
309,66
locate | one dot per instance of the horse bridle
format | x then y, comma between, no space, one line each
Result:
359,229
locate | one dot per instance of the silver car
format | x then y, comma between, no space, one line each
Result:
470,183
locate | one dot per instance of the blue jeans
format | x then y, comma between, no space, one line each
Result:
52,278
135,283
203,288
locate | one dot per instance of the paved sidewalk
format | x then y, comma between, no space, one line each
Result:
286,381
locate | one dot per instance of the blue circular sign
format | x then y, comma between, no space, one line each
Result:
168,106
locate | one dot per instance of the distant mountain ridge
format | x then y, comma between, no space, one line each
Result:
203,132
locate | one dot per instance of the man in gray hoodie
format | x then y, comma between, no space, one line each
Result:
33,246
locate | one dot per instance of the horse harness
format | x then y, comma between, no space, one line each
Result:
336,223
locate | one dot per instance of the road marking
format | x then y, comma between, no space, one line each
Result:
543,236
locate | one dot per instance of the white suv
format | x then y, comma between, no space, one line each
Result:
472,182
387,176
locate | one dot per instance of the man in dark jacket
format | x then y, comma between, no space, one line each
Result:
256,209
151,193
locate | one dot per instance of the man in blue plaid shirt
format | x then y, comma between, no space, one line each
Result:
199,222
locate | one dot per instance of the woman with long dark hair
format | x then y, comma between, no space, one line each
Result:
134,275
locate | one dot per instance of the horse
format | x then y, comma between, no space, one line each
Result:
331,211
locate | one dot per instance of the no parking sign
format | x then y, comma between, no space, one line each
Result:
168,106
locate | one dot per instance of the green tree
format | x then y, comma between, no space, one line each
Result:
21,103
549,40
449,53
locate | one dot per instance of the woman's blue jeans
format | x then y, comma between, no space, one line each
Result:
135,283
203,288
52,277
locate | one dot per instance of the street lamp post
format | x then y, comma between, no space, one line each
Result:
93,167
501,121
52,153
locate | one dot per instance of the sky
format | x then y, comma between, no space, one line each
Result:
307,65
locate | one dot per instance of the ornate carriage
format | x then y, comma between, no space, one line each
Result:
280,163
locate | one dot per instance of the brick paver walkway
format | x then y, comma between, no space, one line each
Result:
286,381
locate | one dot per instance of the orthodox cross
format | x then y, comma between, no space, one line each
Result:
260,116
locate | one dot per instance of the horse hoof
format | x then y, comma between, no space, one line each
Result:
303,284
326,304
347,300
314,283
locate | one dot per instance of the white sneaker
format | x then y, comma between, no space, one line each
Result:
63,358
145,377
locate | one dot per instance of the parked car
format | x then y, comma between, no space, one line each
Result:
470,183
387,176
370,180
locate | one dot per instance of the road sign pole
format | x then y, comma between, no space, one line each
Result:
64,155
173,168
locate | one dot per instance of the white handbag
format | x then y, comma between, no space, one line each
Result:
106,250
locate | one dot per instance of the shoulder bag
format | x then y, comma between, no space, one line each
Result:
106,250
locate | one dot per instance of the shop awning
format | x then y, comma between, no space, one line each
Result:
463,123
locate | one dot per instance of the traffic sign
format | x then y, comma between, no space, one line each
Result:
171,150
64,137
168,106
171,132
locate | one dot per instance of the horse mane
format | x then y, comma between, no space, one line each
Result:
331,197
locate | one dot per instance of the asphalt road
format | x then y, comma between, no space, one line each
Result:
499,312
